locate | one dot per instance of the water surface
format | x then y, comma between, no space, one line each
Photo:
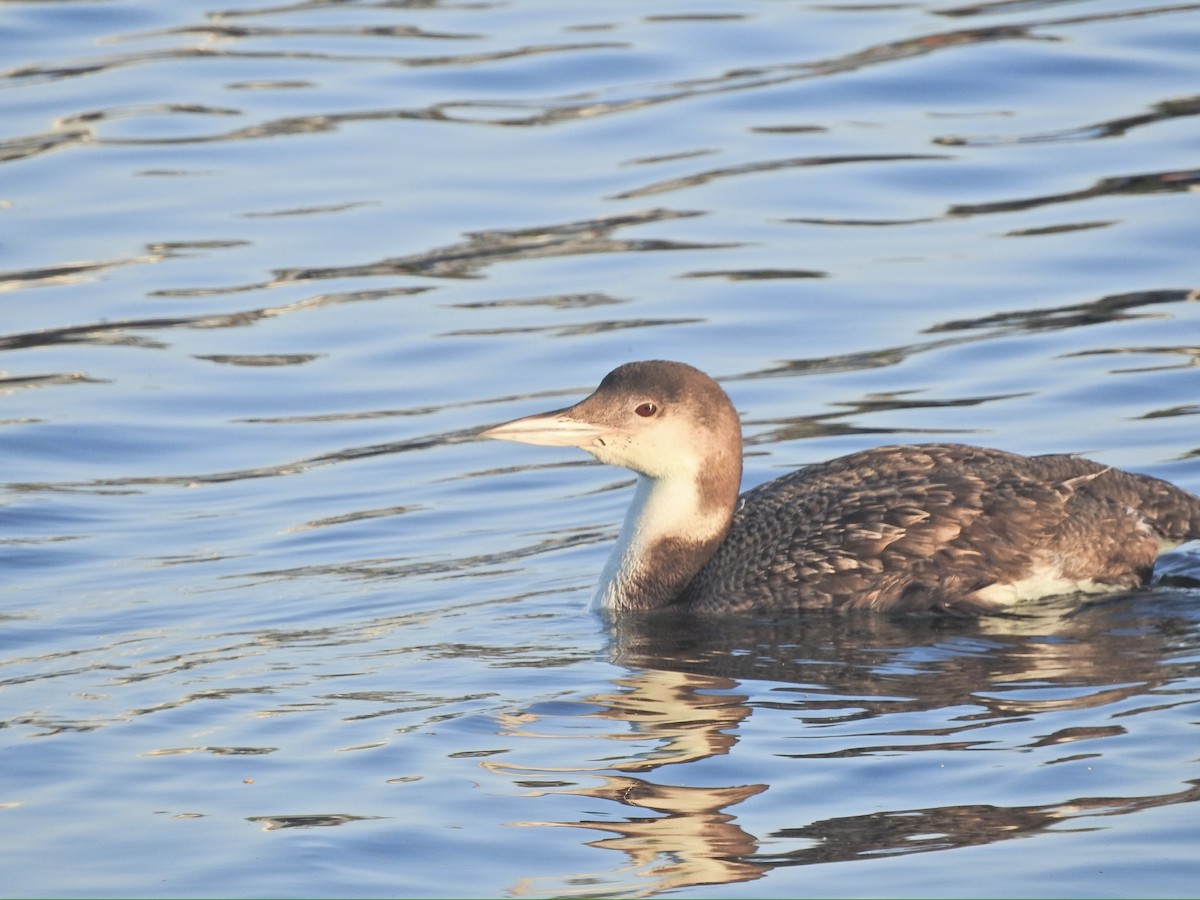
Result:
277,624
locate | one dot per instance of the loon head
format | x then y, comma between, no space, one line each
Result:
676,428
660,419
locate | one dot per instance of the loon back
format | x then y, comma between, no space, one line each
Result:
942,527
913,527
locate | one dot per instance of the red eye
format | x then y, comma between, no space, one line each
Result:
646,410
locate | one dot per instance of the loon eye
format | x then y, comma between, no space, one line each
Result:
646,410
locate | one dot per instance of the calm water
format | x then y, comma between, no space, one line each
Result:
276,624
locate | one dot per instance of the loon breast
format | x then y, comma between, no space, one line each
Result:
942,526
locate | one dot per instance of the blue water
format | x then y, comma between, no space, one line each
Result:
274,623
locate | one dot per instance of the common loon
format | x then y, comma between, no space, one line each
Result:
917,527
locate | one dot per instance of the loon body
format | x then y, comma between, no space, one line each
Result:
910,527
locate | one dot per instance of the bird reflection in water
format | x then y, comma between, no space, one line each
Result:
690,687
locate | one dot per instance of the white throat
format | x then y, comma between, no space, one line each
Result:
663,510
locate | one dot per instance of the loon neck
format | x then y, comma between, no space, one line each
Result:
672,528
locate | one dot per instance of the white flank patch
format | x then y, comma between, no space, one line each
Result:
1045,581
